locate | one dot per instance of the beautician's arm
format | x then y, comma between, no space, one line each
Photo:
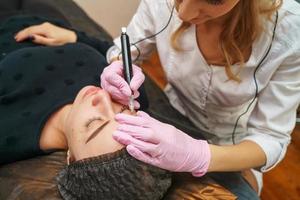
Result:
245,155
270,124
176,151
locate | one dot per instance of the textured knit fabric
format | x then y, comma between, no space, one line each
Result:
113,176
35,81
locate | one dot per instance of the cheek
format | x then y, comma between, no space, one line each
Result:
72,127
74,122
188,11
217,13
220,10
225,9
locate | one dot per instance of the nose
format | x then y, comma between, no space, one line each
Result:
101,97
102,101
187,10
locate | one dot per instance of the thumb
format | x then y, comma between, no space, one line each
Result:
143,114
38,39
138,154
137,79
118,82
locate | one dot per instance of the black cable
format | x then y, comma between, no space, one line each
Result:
151,36
254,74
254,77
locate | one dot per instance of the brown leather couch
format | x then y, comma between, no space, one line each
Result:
34,179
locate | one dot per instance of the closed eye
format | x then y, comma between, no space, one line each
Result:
97,131
215,2
91,120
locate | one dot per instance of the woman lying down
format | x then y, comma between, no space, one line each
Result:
99,166
49,100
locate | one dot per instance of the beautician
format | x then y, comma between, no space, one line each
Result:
233,69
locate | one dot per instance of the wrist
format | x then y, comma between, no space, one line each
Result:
244,155
203,157
72,37
215,164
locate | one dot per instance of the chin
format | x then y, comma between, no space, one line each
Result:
198,21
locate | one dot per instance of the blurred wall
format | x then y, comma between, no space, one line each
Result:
110,14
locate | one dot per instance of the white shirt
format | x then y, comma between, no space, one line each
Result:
203,93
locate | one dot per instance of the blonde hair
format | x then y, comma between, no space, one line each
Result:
242,28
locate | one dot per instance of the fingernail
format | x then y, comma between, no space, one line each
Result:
31,38
120,127
115,135
136,105
131,150
118,115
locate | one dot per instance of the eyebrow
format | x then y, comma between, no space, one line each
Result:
96,132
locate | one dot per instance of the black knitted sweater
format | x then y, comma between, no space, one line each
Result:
36,80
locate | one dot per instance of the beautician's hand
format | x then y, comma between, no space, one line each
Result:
47,34
112,80
162,145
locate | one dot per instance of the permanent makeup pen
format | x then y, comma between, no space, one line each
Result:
127,63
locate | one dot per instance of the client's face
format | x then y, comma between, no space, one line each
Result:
90,124
88,128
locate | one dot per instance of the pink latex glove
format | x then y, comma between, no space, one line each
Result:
112,80
162,145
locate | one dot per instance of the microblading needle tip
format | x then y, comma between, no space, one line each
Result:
131,106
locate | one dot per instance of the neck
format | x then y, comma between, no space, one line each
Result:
61,118
53,134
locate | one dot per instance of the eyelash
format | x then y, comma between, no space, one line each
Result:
91,120
215,2
99,118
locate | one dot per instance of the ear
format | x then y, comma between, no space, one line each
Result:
70,157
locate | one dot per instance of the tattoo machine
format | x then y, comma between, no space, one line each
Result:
127,63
